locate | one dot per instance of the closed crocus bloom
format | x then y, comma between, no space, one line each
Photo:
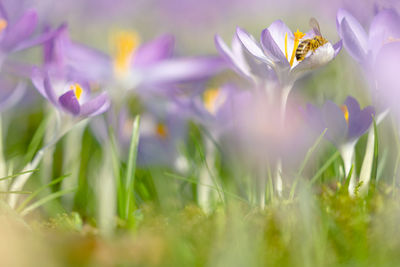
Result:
363,46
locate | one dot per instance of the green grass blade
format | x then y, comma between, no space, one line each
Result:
325,166
304,163
376,154
117,174
35,142
39,190
194,181
16,175
46,199
16,192
130,173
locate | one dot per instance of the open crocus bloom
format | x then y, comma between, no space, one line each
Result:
152,63
345,124
70,97
364,47
278,51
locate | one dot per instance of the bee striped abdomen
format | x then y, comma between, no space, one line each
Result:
302,49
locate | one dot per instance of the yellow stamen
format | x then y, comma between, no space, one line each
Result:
125,44
286,47
162,130
345,113
77,90
210,99
3,24
297,37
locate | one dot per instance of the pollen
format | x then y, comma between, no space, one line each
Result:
77,90
3,24
345,111
162,130
125,44
210,99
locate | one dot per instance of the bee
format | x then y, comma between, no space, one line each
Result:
308,45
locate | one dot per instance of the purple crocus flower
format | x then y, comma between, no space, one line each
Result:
152,64
344,126
16,34
364,47
277,52
70,96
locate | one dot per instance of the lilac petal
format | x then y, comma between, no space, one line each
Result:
20,30
251,46
96,106
183,70
91,63
37,78
31,42
384,26
278,31
314,117
14,97
271,48
337,47
234,59
353,25
360,123
3,13
352,106
335,122
354,44
49,91
70,103
154,51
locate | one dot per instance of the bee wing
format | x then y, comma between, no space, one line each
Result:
315,26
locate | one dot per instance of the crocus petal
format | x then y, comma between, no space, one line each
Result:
154,51
3,13
271,48
96,106
335,122
37,78
384,26
14,97
355,42
250,44
21,30
235,60
337,47
49,90
352,106
314,117
278,31
360,122
70,103
183,70
354,26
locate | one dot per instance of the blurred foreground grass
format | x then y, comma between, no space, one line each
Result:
325,228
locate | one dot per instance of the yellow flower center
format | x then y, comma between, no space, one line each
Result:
77,90
3,25
124,43
298,35
345,113
210,97
162,130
